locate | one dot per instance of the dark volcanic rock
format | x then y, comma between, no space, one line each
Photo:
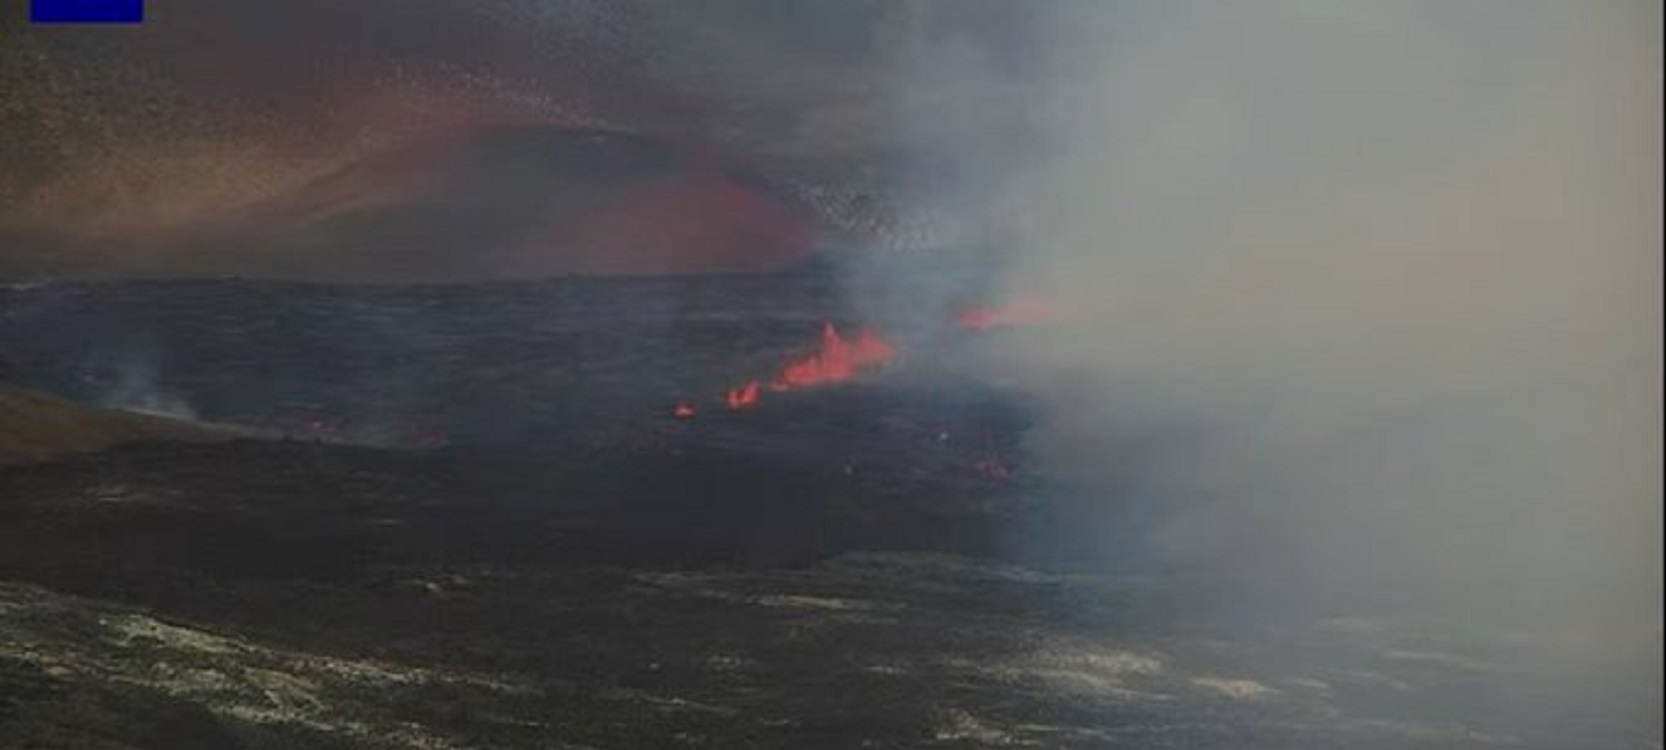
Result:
578,568
566,360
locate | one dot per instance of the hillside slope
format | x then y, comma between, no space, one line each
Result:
38,427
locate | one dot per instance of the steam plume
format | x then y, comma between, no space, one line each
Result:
1385,277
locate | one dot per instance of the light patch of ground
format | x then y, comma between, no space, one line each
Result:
823,603
1234,688
668,703
123,630
1308,683
731,663
1098,685
1115,662
232,677
957,725
1081,668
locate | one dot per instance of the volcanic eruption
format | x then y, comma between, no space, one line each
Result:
836,359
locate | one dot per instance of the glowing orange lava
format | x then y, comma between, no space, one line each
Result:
742,396
836,360
1019,311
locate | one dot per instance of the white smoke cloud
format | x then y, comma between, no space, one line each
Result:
1391,269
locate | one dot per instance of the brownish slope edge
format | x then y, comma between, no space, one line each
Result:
38,427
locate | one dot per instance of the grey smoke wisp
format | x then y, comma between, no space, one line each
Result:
137,387
1392,270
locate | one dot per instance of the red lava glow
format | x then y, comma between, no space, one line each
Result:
324,425
1019,311
742,396
837,359
993,468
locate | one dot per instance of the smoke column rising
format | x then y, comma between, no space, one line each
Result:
1390,271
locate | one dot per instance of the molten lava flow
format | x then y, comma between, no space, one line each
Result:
836,360
993,468
682,411
1019,311
991,465
742,396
